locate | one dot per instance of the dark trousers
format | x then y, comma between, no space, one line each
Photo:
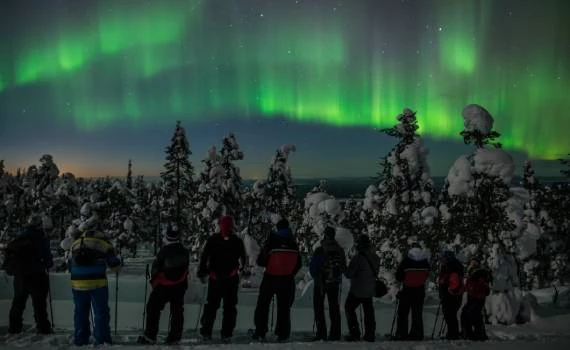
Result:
330,292
350,306
411,299
472,319
283,287
34,285
450,305
226,289
174,295
83,300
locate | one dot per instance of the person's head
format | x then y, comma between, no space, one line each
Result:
35,221
363,242
329,233
171,235
282,224
226,224
445,256
474,263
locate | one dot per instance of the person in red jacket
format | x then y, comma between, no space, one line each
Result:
281,259
413,273
220,265
169,280
477,286
450,285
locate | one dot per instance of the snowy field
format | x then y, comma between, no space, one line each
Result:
550,326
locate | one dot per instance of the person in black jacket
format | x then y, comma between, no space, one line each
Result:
412,273
450,283
362,272
169,280
327,266
28,258
220,262
281,259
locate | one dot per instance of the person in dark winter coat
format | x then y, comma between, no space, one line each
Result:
450,285
220,263
281,259
362,271
169,280
413,273
327,266
91,255
28,258
477,286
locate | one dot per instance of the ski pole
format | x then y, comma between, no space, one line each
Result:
145,296
361,320
50,300
442,328
435,322
116,299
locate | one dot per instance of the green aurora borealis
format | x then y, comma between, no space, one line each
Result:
342,63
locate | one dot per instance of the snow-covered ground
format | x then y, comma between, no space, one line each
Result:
550,327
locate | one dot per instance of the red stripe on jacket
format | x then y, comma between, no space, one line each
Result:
415,277
161,280
281,262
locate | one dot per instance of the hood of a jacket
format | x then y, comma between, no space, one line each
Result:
417,254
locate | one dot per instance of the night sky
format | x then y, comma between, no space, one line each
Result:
95,83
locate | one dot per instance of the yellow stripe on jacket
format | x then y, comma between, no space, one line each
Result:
88,284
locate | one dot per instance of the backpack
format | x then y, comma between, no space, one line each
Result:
17,256
333,269
84,256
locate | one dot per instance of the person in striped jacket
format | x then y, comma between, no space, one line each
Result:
91,255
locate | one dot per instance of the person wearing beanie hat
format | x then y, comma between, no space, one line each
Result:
327,265
220,263
27,258
477,287
281,259
169,280
413,273
450,285
362,271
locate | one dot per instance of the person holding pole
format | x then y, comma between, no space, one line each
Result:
450,285
169,280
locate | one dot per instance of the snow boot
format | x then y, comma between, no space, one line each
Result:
351,338
144,340
227,340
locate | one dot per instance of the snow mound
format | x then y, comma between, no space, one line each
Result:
460,177
494,162
477,118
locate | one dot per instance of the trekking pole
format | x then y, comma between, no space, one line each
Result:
435,322
442,328
50,301
272,312
145,295
204,296
361,320
394,318
116,299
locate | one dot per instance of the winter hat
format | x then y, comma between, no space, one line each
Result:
417,254
226,224
35,221
282,224
171,235
363,242
330,232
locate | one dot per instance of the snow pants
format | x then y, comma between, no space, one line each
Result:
283,287
35,285
331,292
472,322
97,298
450,305
160,295
411,299
225,289
350,306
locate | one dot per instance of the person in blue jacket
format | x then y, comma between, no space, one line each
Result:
91,255
28,258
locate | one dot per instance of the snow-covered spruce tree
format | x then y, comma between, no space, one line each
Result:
353,219
66,205
47,172
402,202
178,183
231,186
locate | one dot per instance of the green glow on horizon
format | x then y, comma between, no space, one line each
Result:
140,64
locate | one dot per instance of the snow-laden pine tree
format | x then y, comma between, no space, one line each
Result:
47,172
178,184
401,206
231,191
130,175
